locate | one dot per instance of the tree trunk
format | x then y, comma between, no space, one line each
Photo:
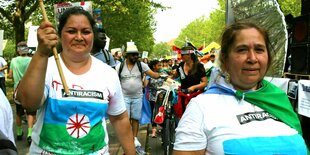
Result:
19,27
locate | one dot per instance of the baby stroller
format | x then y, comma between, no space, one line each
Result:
165,116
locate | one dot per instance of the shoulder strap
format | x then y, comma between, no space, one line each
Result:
6,146
106,56
181,71
140,68
122,65
120,69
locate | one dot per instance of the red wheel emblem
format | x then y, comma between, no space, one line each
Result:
78,125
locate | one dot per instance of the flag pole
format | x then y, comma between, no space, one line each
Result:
61,74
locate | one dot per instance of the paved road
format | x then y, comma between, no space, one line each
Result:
153,145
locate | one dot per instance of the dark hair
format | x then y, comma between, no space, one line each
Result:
195,65
74,11
229,37
152,63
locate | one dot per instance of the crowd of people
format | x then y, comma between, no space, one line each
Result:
231,108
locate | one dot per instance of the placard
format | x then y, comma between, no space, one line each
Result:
304,97
60,8
32,40
145,54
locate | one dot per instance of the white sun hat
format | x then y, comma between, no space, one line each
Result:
131,48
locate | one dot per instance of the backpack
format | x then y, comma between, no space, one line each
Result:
105,54
122,66
6,146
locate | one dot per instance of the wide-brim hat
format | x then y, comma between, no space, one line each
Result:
132,49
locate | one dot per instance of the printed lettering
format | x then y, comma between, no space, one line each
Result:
254,116
84,94
305,88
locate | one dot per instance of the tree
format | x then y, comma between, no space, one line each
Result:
124,20
290,7
203,30
161,50
22,11
136,24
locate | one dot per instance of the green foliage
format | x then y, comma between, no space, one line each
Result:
7,27
290,7
160,50
123,20
135,23
9,51
203,31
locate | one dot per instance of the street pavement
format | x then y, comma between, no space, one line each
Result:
151,145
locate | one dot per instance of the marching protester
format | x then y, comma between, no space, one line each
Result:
241,113
7,143
192,76
152,87
99,50
131,72
18,68
73,123
3,67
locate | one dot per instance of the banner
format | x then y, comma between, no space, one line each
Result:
60,8
304,97
1,42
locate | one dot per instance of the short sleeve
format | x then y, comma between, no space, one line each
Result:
4,62
147,77
190,135
145,67
116,103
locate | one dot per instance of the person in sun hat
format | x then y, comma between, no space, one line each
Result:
18,68
131,72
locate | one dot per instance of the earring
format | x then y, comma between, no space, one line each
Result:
227,77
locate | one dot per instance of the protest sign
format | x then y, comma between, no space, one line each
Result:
145,54
32,40
304,97
60,8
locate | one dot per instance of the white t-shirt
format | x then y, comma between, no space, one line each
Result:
6,117
221,124
2,64
76,124
131,80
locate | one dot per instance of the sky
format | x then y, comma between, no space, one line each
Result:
182,12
